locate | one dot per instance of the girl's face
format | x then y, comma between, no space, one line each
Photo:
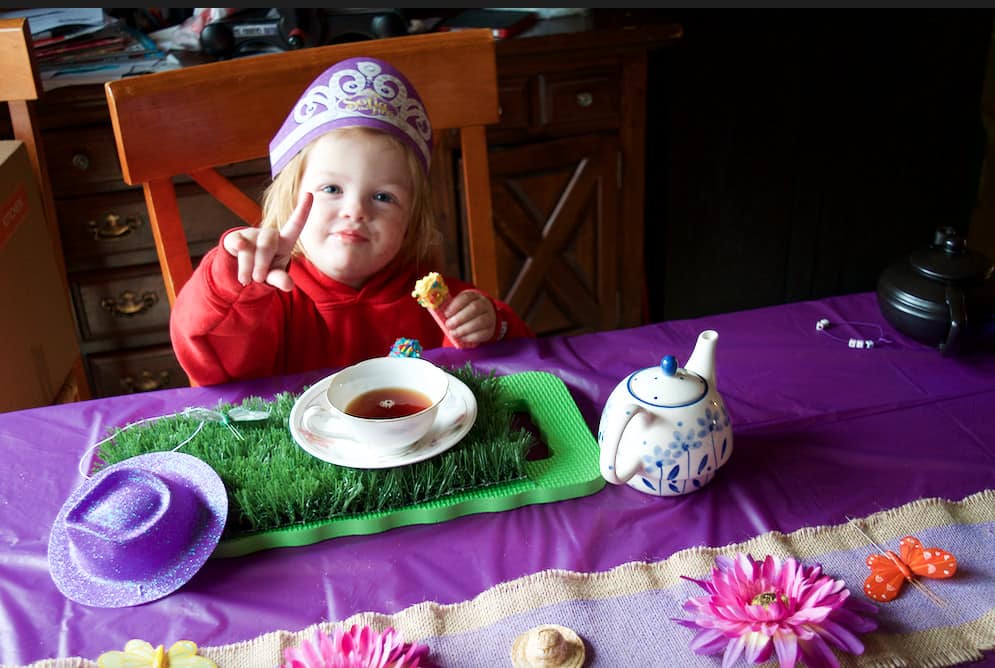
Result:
363,196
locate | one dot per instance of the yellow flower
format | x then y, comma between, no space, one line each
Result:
140,654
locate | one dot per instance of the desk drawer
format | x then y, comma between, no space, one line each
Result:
581,97
552,103
83,160
112,230
121,303
139,370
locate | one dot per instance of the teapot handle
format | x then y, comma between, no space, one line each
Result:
609,439
958,319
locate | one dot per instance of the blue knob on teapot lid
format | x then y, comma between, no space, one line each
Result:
666,385
668,365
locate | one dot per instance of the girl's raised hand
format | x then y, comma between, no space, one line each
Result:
264,254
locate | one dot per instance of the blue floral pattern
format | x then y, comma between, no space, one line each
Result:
714,422
654,466
681,446
677,465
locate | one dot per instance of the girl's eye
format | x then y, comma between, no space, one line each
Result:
384,197
331,190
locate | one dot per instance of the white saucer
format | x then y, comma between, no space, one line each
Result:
457,413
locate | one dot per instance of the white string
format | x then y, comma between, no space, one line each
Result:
190,437
92,448
204,414
824,324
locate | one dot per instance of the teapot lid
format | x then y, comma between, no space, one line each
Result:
949,259
667,385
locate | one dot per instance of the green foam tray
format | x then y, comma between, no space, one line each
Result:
570,471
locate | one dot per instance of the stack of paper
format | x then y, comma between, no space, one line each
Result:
85,45
45,22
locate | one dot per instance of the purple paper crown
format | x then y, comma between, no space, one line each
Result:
360,91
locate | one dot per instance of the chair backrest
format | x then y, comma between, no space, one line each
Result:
20,88
195,119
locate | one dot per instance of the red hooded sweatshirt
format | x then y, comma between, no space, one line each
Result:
224,331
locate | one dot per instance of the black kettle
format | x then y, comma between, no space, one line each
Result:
943,295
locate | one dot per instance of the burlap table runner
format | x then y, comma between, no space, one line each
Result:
624,614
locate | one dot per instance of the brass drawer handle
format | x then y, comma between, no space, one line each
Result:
130,304
112,228
585,99
81,161
147,381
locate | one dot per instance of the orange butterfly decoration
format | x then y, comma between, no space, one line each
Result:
890,571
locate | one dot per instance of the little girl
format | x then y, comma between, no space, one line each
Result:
347,230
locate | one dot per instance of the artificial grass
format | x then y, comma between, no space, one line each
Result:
273,483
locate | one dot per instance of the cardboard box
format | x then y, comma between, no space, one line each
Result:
37,338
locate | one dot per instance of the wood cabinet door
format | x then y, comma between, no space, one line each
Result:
558,232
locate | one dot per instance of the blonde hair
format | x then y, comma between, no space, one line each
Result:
421,244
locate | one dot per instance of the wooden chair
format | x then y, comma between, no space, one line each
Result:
20,88
193,120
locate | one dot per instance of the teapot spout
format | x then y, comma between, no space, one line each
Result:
702,360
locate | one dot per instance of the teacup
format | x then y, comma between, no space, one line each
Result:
385,403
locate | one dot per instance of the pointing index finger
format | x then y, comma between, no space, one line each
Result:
291,230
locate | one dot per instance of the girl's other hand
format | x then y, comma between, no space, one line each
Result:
264,254
471,318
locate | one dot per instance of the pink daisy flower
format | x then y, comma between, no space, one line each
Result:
359,647
754,609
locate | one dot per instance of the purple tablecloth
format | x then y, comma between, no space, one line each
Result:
822,431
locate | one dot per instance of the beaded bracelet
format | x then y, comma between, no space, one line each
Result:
822,324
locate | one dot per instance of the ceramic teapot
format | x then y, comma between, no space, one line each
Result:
943,295
664,430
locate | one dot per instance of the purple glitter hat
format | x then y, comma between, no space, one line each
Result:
357,91
137,530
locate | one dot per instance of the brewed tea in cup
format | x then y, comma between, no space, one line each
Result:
384,403
388,402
